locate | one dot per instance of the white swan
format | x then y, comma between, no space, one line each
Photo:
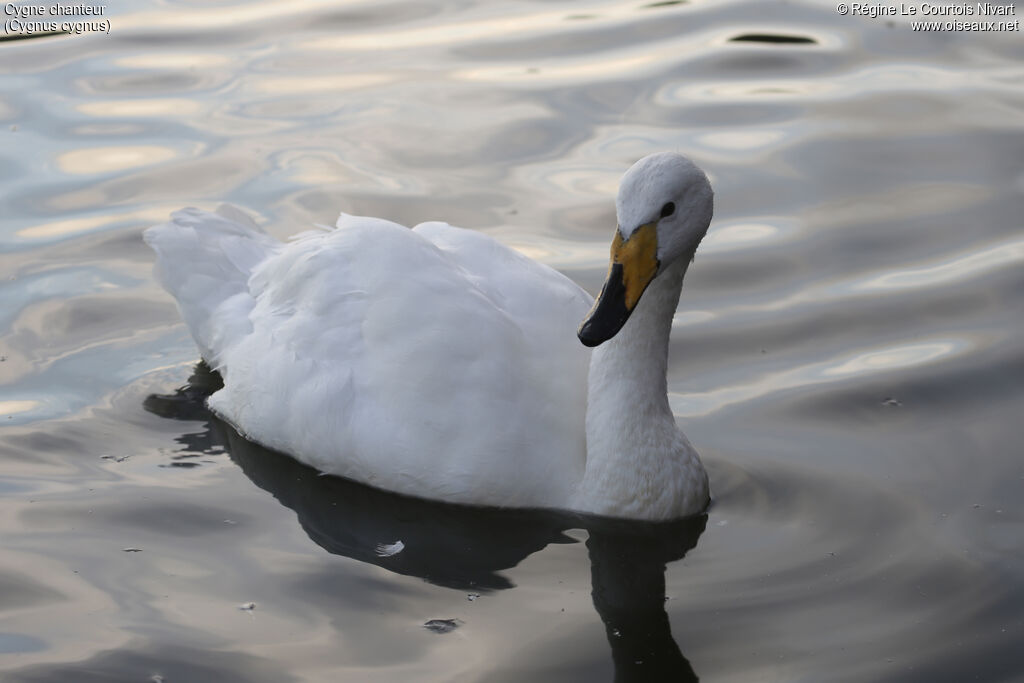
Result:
437,362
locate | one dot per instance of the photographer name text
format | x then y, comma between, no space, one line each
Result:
927,16
924,9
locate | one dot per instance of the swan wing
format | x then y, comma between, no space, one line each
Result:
434,361
204,260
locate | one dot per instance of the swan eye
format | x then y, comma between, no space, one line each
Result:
668,210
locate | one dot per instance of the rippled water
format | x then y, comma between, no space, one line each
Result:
847,355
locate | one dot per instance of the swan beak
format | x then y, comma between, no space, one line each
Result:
634,264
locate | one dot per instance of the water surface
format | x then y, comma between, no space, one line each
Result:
846,355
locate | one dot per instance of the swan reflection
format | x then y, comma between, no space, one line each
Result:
465,548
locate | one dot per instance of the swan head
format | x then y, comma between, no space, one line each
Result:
664,209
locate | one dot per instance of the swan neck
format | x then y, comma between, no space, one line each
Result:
628,373
639,464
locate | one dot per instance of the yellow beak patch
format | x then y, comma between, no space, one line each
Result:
639,259
633,265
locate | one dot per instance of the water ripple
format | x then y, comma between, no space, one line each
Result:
846,353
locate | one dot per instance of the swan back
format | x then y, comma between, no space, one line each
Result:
434,362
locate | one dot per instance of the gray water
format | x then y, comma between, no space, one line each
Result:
846,355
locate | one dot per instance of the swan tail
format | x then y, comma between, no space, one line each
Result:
205,260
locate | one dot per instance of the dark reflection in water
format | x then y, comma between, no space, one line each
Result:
192,665
466,547
772,38
627,571
31,36
664,3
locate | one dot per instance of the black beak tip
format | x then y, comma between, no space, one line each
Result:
587,336
609,313
598,329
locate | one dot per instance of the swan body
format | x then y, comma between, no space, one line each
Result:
438,363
